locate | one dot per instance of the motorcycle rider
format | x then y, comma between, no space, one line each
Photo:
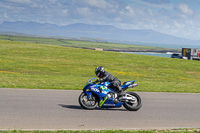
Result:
107,77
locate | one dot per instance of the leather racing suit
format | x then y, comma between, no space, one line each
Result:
115,83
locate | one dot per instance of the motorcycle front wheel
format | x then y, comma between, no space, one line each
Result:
88,102
133,105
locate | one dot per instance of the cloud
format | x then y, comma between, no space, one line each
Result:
157,1
5,15
53,1
84,11
66,12
98,3
157,4
184,9
129,9
20,1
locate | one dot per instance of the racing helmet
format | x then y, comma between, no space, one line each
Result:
99,70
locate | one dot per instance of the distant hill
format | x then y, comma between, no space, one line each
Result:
106,32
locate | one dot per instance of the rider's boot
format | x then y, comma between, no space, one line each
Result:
120,92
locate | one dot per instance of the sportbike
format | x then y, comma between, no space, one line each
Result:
103,96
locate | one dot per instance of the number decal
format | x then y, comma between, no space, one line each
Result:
103,88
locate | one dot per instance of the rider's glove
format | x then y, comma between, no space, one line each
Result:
100,80
96,81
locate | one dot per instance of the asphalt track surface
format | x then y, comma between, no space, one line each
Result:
59,110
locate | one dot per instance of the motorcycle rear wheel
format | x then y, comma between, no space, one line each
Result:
88,103
133,106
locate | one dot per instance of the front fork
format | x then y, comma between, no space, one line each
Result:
88,93
101,100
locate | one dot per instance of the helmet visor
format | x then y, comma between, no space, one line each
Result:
98,74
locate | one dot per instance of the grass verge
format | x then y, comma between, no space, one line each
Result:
110,131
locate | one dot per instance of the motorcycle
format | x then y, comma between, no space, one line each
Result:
103,96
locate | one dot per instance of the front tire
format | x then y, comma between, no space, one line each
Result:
88,103
133,106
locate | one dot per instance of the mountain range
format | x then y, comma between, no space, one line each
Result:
105,32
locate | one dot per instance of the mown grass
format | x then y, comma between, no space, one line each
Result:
109,131
31,65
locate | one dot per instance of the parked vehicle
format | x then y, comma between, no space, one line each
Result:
179,56
101,95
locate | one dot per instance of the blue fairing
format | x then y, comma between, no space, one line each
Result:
109,103
104,83
101,90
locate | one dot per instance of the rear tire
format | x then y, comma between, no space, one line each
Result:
133,106
88,103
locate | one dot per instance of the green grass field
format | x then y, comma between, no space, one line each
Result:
42,66
83,44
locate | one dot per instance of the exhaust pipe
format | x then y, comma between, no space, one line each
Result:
133,85
130,86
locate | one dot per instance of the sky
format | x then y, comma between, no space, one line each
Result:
180,18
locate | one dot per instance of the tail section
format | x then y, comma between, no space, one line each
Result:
128,84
